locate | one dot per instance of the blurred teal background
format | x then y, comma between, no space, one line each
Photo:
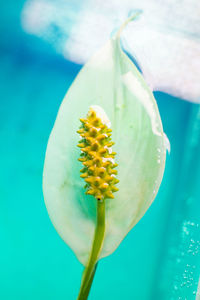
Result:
160,257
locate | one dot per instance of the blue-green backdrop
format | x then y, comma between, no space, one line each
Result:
159,259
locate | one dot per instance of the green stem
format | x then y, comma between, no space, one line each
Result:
90,269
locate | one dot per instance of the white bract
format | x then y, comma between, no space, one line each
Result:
110,81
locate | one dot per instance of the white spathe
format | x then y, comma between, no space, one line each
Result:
139,143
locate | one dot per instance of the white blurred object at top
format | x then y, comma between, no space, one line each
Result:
165,40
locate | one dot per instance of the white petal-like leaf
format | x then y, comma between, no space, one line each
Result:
111,81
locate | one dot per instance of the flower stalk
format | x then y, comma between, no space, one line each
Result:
89,272
99,174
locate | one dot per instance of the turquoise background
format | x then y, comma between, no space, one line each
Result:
159,259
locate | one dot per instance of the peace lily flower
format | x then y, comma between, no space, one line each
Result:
122,175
